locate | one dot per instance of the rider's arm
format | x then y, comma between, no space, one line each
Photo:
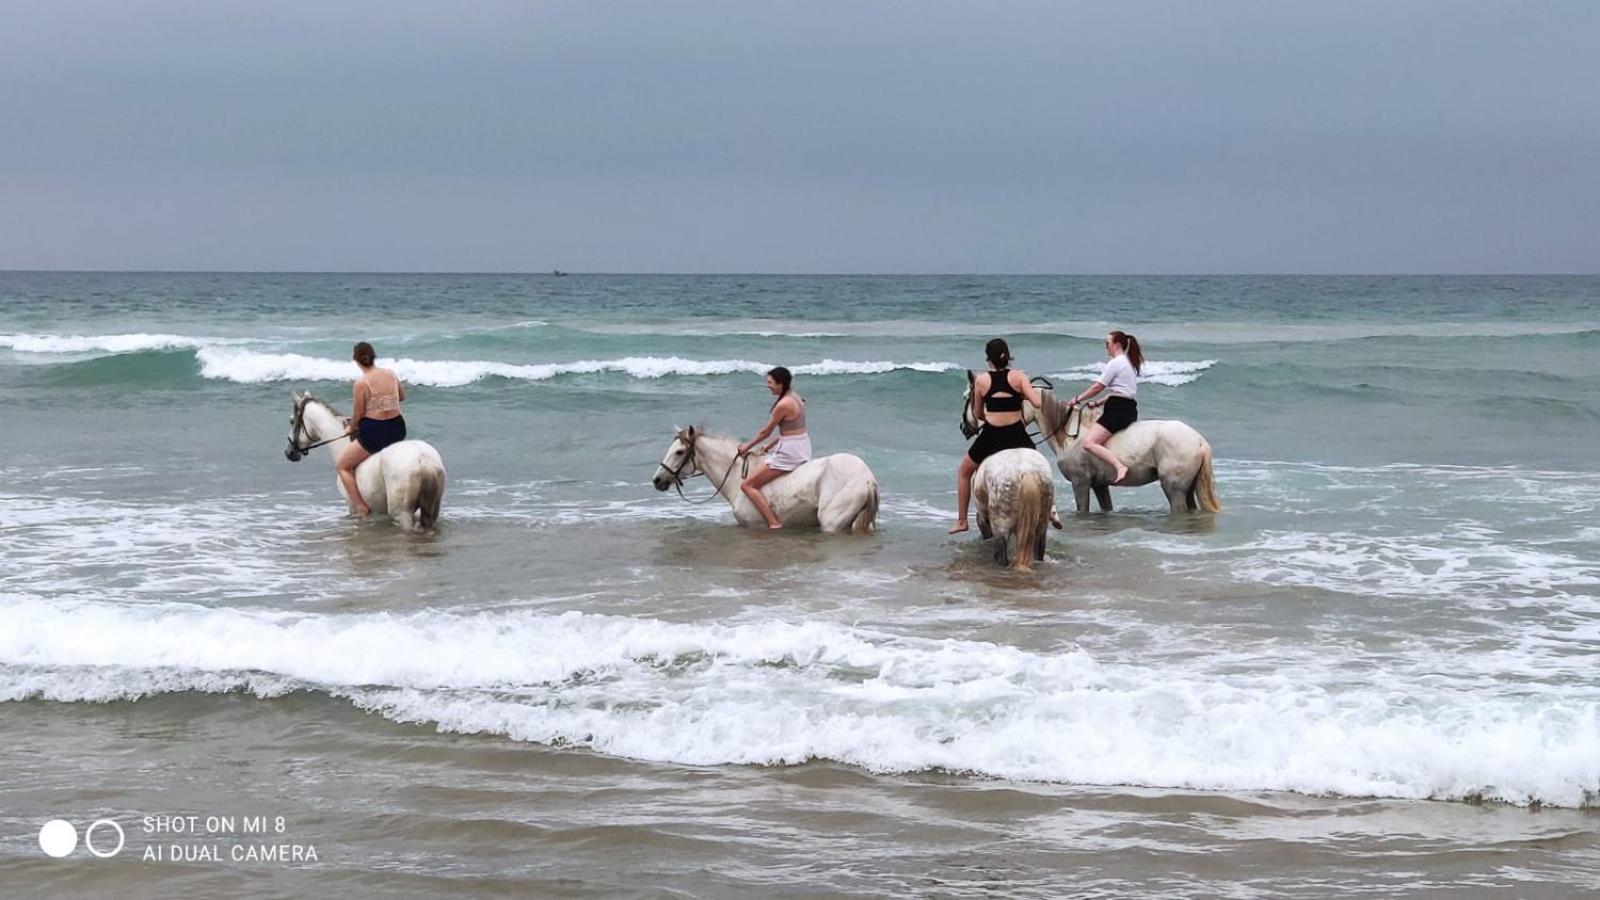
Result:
1090,391
401,387
766,429
360,406
1024,387
977,398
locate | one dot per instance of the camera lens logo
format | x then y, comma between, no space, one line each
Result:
58,838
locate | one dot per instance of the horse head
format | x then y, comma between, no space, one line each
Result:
969,426
306,432
679,462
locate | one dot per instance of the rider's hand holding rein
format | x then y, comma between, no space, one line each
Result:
780,411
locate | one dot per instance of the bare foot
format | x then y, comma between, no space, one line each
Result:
363,513
774,526
1055,519
960,527
1122,472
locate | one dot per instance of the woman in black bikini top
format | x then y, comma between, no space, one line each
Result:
997,397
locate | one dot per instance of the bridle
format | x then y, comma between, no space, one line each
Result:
295,451
688,460
1072,410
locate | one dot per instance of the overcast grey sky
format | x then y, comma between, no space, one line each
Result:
815,136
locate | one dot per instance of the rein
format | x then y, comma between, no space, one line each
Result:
1065,420
688,459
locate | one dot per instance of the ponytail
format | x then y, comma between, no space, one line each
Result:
1130,346
364,355
998,352
783,377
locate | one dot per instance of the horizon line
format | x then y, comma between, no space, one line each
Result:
656,274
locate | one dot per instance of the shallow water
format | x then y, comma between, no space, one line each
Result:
1373,672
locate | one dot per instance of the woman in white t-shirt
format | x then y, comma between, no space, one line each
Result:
1120,379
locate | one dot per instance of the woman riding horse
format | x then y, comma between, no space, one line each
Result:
375,423
1119,377
997,397
789,451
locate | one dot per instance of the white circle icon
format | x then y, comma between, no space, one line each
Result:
58,838
89,833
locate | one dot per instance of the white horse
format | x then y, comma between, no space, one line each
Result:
1164,450
837,492
1015,496
405,479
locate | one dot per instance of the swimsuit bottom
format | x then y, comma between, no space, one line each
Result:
375,434
992,439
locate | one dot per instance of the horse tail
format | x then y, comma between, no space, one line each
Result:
430,490
867,519
1204,488
1028,524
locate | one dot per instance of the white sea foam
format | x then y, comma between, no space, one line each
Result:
1467,565
109,343
252,367
772,693
1171,373
1150,333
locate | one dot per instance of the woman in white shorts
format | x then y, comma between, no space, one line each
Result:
788,452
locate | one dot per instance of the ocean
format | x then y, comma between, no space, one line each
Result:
1374,672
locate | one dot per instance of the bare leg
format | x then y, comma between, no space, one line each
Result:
963,493
752,489
352,457
1096,443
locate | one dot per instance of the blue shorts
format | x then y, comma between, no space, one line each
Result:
375,434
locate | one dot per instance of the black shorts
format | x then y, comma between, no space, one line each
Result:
375,434
992,440
1120,412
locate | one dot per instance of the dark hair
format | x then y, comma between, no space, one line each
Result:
1130,346
998,353
782,376
364,354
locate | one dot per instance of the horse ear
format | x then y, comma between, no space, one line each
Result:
689,431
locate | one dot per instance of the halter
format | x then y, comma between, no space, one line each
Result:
688,460
294,452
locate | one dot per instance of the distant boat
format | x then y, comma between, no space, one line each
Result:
558,273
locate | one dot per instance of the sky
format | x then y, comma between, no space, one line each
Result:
981,136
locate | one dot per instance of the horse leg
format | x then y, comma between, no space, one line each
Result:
866,518
1177,494
402,499
837,512
1080,493
1102,494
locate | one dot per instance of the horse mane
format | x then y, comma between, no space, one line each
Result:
1056,414
701,431
322,403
